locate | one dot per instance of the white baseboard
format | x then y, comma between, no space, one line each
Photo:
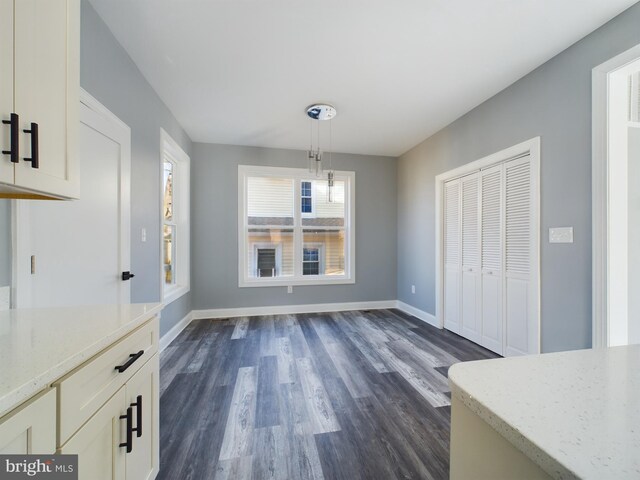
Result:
421,314
170,336
291,309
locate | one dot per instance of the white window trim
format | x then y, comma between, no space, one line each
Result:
181,208
298,174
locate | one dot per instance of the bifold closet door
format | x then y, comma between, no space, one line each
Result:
518,254
491,185
471,291
452,247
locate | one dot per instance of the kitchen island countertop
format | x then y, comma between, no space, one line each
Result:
575,414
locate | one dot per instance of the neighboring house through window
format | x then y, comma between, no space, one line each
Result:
175,219
289,232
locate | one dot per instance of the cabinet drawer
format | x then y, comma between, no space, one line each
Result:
82,392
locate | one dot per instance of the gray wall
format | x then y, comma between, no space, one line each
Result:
5,243
553,102
214,223
634,235
108,73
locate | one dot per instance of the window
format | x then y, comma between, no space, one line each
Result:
306,198
175,275
289,232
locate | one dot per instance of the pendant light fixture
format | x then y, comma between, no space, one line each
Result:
320,112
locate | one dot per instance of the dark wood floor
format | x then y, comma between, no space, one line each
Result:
352,395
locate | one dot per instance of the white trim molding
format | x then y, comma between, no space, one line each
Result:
600,177
172,334
220,313
419,314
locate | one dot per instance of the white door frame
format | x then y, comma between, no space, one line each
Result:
98,117
531,147
602,77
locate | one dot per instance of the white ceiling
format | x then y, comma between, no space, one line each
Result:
242,71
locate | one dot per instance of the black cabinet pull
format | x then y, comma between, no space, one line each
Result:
35,155
132,358
129,417
13,146
138,405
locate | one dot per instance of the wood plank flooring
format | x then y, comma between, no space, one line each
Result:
350,395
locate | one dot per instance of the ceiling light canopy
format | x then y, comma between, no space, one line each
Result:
321,111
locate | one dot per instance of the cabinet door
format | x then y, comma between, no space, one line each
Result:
6,85
97,443
142,391
31,428
46,92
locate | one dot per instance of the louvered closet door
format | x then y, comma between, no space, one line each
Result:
470,303
518,250
491,185
452,254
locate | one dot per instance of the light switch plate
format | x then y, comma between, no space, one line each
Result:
561,235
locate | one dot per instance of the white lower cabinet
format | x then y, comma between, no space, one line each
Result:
120,441
97,443
30,428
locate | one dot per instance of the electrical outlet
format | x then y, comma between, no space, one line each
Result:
413,289
289,289
143,235
5,298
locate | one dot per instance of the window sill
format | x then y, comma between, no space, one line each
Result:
174,292
291,282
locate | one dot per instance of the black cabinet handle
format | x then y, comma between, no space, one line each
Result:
129,417
132,358
35,155
138,405
13,146
127,275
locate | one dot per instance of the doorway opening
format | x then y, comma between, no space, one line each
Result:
616,200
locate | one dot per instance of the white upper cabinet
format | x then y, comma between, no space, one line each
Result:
41,48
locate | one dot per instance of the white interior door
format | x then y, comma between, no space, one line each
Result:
81,247
452,255
518,254
492,227
471,258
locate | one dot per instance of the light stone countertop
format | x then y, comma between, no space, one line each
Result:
575,414
40,345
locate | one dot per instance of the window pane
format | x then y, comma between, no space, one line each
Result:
269,252
167,183
306,189
326,214
330,251
169,254
270,201
306,204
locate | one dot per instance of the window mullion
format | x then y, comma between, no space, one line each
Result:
297,229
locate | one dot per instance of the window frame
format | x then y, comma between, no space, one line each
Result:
298,175
312,213
181,184
320,247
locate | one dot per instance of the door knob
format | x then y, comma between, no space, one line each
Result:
127,276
